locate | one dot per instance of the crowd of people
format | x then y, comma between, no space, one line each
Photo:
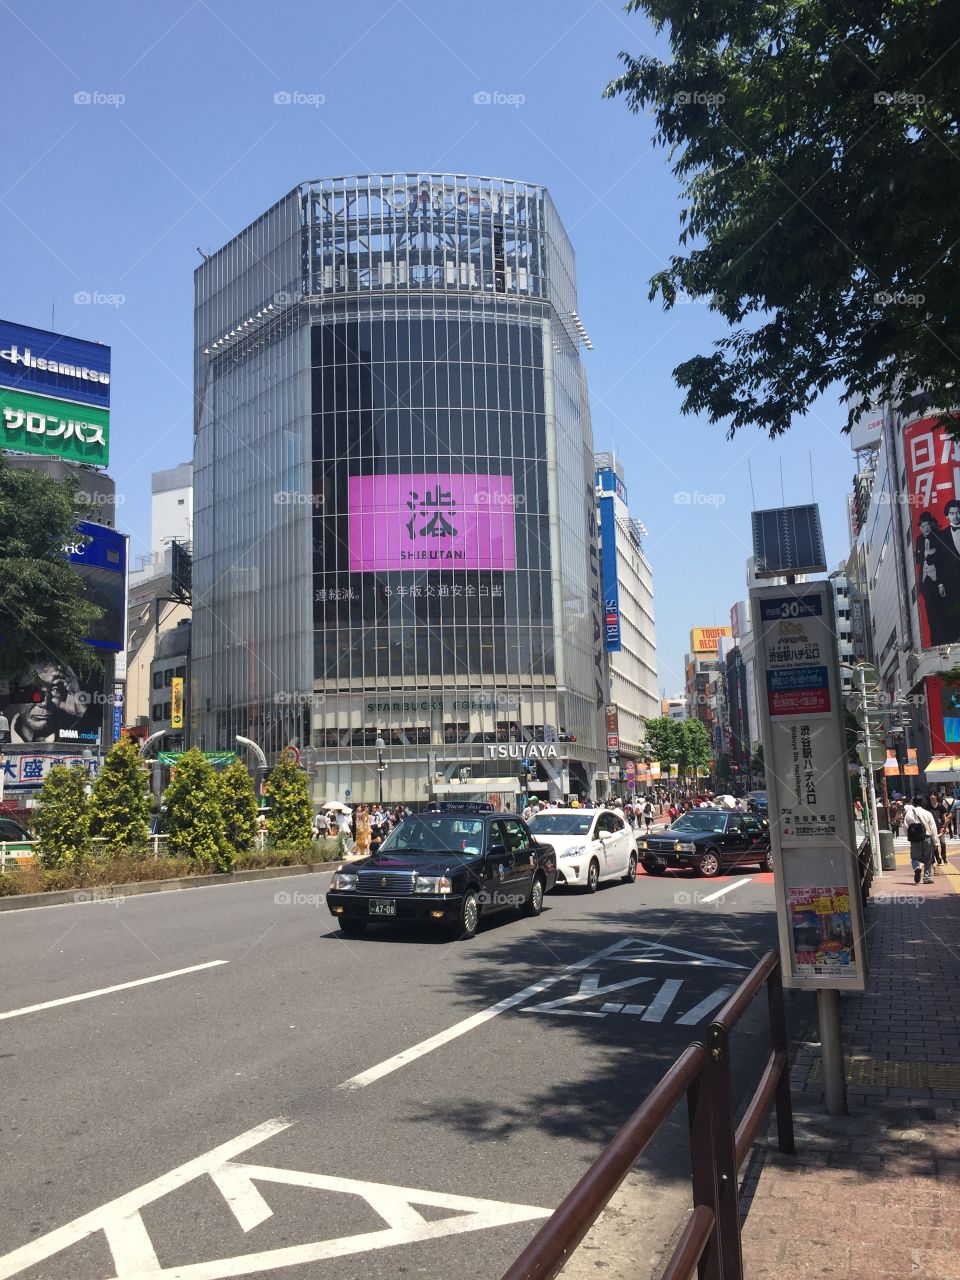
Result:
926,821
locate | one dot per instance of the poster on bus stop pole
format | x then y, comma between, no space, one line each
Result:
812,832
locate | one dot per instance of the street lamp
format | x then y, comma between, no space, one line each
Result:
381,746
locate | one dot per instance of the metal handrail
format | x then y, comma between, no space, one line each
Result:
710,1240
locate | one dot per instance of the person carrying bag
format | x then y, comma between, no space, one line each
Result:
923,836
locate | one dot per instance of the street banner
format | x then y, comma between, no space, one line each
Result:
812,831
176,702
891,768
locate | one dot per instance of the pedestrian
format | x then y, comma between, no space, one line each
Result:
363,831
377,832
922,834
950,810
858,811
896,818
648,815
935,806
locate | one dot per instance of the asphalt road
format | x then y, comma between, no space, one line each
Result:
130,1121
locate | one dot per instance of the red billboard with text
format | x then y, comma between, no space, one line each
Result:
933,501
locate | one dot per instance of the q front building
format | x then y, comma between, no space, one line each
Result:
395,528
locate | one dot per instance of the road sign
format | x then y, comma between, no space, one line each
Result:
872,756
801,705
871,676
347,792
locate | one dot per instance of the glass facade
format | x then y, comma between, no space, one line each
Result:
394,531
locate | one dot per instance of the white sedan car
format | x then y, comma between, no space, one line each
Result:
591,845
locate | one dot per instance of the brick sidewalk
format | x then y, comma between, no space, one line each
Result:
875,1194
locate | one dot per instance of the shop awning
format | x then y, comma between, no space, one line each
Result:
943,769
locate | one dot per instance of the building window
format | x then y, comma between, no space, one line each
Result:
180,673
166,711
158,679
156,711
168,675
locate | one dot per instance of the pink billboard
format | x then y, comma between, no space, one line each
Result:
431,522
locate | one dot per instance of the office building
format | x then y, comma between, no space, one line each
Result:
395,523
629,630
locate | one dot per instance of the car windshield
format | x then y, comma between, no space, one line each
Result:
561,824
432,833
711,820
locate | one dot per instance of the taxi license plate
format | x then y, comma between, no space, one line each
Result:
383,907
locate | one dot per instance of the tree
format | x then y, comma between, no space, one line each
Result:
61,818
693,746
120,804
662,739
43,610
194,819
238,807
290,818
815,144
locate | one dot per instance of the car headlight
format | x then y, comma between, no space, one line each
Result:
572,853
644,845
343,880
433,884
685,847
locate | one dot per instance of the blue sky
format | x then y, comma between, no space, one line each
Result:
183,144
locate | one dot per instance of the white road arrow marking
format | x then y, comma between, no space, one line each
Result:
135,1258
658,951
589,987
246,1203
707,1005
662,1001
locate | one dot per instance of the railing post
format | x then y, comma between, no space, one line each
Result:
725,1153
778,1039
703,1174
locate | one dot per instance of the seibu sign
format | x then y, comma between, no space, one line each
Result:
522,751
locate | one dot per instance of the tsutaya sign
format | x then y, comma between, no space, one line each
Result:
812,832
522,751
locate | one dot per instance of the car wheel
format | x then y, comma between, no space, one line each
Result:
534,904
709,864
593,876
767,863
631,870
466,926
352,928
654,871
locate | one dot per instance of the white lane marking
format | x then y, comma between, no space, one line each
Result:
706,1005
661,1002
130,1204
135,1257
105,991
476,1020
712,897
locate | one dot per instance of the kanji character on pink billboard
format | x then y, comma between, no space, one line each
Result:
431,521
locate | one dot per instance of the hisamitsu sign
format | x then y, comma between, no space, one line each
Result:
54,364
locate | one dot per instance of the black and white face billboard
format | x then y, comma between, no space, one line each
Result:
819,911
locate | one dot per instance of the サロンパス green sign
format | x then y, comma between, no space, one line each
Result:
54,428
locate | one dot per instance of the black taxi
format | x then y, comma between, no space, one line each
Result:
708,841
445,867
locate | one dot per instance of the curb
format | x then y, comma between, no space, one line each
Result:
105,892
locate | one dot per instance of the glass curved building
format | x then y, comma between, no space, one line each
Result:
395,530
